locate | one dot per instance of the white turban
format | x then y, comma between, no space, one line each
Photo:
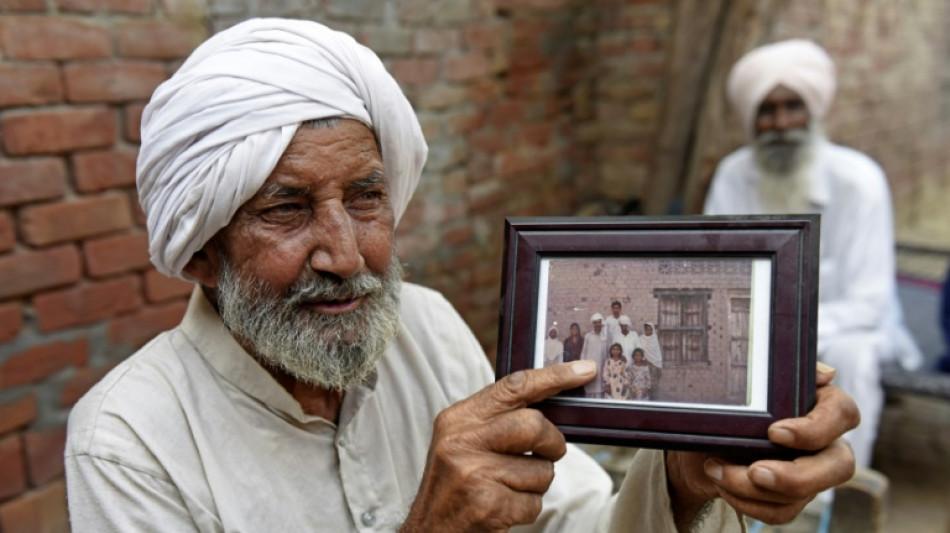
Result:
213,132
595,317
625,320
799,64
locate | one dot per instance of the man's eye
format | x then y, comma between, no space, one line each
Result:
368,198
281,211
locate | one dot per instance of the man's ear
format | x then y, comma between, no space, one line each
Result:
204,266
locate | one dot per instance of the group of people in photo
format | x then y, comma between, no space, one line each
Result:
629,363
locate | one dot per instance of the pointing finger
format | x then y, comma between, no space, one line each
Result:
529,386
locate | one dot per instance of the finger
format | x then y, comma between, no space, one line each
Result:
806,475
523,473
770,513
498,512
736,480
529,386
834,414
522,431
825,374
785,482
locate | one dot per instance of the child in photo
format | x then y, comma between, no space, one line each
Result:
615,374
639,375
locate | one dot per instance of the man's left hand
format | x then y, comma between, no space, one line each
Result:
772,491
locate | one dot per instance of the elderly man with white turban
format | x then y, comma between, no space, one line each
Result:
308,388
553,348
782,93
627,338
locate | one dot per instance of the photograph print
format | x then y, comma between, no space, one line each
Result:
680,332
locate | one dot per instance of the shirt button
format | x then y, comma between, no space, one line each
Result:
342,442
368,519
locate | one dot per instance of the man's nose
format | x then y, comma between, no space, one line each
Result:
336,247
783,118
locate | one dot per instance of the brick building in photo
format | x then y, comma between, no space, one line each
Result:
700,308
530,107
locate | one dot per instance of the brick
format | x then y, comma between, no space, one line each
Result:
17,413
485,36
12,467
44,454
75,219
7,232
31,180
431,41
133,122
358,9
439,96
185,9
41,362
415,71
53,38
11,321
40,510
23,5
159,287
466,67
157,39
387,41
134,7
51,132
115,255
105,169
87,303
79,384
135,330
29,85
112,81
27,272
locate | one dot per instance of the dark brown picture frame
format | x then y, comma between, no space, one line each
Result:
789,242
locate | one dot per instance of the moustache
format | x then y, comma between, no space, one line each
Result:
315,287
798,136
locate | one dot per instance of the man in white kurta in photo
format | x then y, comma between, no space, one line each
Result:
612,322
595,349
626,338
308,388
782,93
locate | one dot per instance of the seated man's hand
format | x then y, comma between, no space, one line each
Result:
479,475
772,491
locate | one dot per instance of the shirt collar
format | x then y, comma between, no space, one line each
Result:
203,327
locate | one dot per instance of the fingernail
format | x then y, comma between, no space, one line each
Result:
781,436
584,368
824,369
763,476
713,469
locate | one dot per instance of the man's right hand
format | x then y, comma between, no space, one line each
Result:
491,458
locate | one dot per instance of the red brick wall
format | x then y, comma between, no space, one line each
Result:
77,292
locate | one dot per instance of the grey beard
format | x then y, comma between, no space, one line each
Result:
330,351
781,152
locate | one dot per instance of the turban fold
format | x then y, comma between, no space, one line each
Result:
213,132
799,64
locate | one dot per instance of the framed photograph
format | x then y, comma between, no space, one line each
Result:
703,328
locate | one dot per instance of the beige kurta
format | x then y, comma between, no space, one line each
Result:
191,434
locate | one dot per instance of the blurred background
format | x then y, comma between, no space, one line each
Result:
530,107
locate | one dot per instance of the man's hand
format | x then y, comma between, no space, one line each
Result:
772,491
491,459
